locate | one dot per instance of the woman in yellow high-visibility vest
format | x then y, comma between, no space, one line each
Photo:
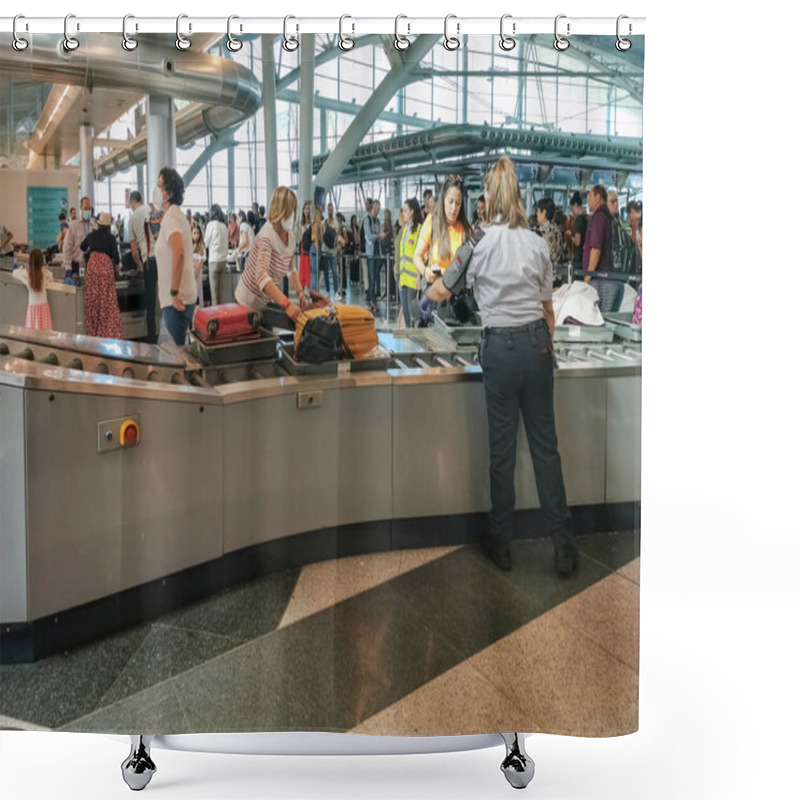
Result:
442,233
405,271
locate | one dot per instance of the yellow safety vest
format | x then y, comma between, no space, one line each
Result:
406,270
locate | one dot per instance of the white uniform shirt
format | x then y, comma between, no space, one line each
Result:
136,231
77,231
510,275
175,221
216,239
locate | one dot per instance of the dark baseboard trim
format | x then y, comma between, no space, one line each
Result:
25,642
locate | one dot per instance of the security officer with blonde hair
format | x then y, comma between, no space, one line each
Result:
511,275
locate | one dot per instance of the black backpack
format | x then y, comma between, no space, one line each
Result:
321,340
329,236
305,240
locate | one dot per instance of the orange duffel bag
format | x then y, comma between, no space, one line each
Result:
358,328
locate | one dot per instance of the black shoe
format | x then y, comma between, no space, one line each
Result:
566,559
497,552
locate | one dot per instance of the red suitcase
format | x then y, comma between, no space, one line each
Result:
229,322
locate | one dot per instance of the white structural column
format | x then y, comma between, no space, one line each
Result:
231,178
364,120
268,78
304,185
86,140
160,138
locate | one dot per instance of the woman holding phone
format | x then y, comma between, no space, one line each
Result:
442,233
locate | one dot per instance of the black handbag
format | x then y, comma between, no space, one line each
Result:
321,340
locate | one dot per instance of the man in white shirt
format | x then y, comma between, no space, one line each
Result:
77,231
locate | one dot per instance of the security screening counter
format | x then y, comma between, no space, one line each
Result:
135,478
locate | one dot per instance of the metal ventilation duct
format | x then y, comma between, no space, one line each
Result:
229,92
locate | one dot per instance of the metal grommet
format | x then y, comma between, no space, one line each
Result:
70,43
290,43
623,45
561,43
233,44
451,42
401,42
181,42
345,42
506,42
19,44
128,43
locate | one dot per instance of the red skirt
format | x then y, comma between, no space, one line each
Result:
304,271
100,298
38,317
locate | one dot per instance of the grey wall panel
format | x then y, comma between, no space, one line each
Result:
289,470
14,560
440,451
101,523
624,439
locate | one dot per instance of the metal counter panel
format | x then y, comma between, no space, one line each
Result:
580,408
440,452
289,470
102,523
624,440
66,304
13,530
452,476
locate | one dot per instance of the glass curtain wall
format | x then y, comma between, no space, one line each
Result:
531,87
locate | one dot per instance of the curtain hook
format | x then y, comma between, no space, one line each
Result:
181,42
128,42
451,42
623,45
19,44
345,42
290,43
507,42
70,43
233,44
561,43
401,42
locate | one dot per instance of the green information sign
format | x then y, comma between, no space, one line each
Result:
45,203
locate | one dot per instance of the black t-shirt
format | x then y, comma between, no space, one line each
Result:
580,225
101,241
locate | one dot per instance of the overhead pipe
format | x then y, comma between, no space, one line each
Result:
411,148
229,92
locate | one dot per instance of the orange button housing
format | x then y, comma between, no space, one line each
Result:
129,433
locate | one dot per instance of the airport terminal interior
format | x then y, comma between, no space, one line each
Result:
211,537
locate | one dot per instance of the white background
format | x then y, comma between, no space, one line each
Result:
719,599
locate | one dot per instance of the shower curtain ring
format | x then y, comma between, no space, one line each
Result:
451,42
233,44
623,45
345,42
290,43
561,43
401,42
19,44
128,42
181,42
507,42
70,43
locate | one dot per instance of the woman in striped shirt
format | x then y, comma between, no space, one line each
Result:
271,257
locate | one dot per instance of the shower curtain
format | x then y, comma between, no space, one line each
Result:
332,577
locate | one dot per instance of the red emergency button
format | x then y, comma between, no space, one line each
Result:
129,433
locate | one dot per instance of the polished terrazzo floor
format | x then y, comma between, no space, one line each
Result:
426,642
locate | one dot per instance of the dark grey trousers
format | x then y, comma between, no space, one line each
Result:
518,376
